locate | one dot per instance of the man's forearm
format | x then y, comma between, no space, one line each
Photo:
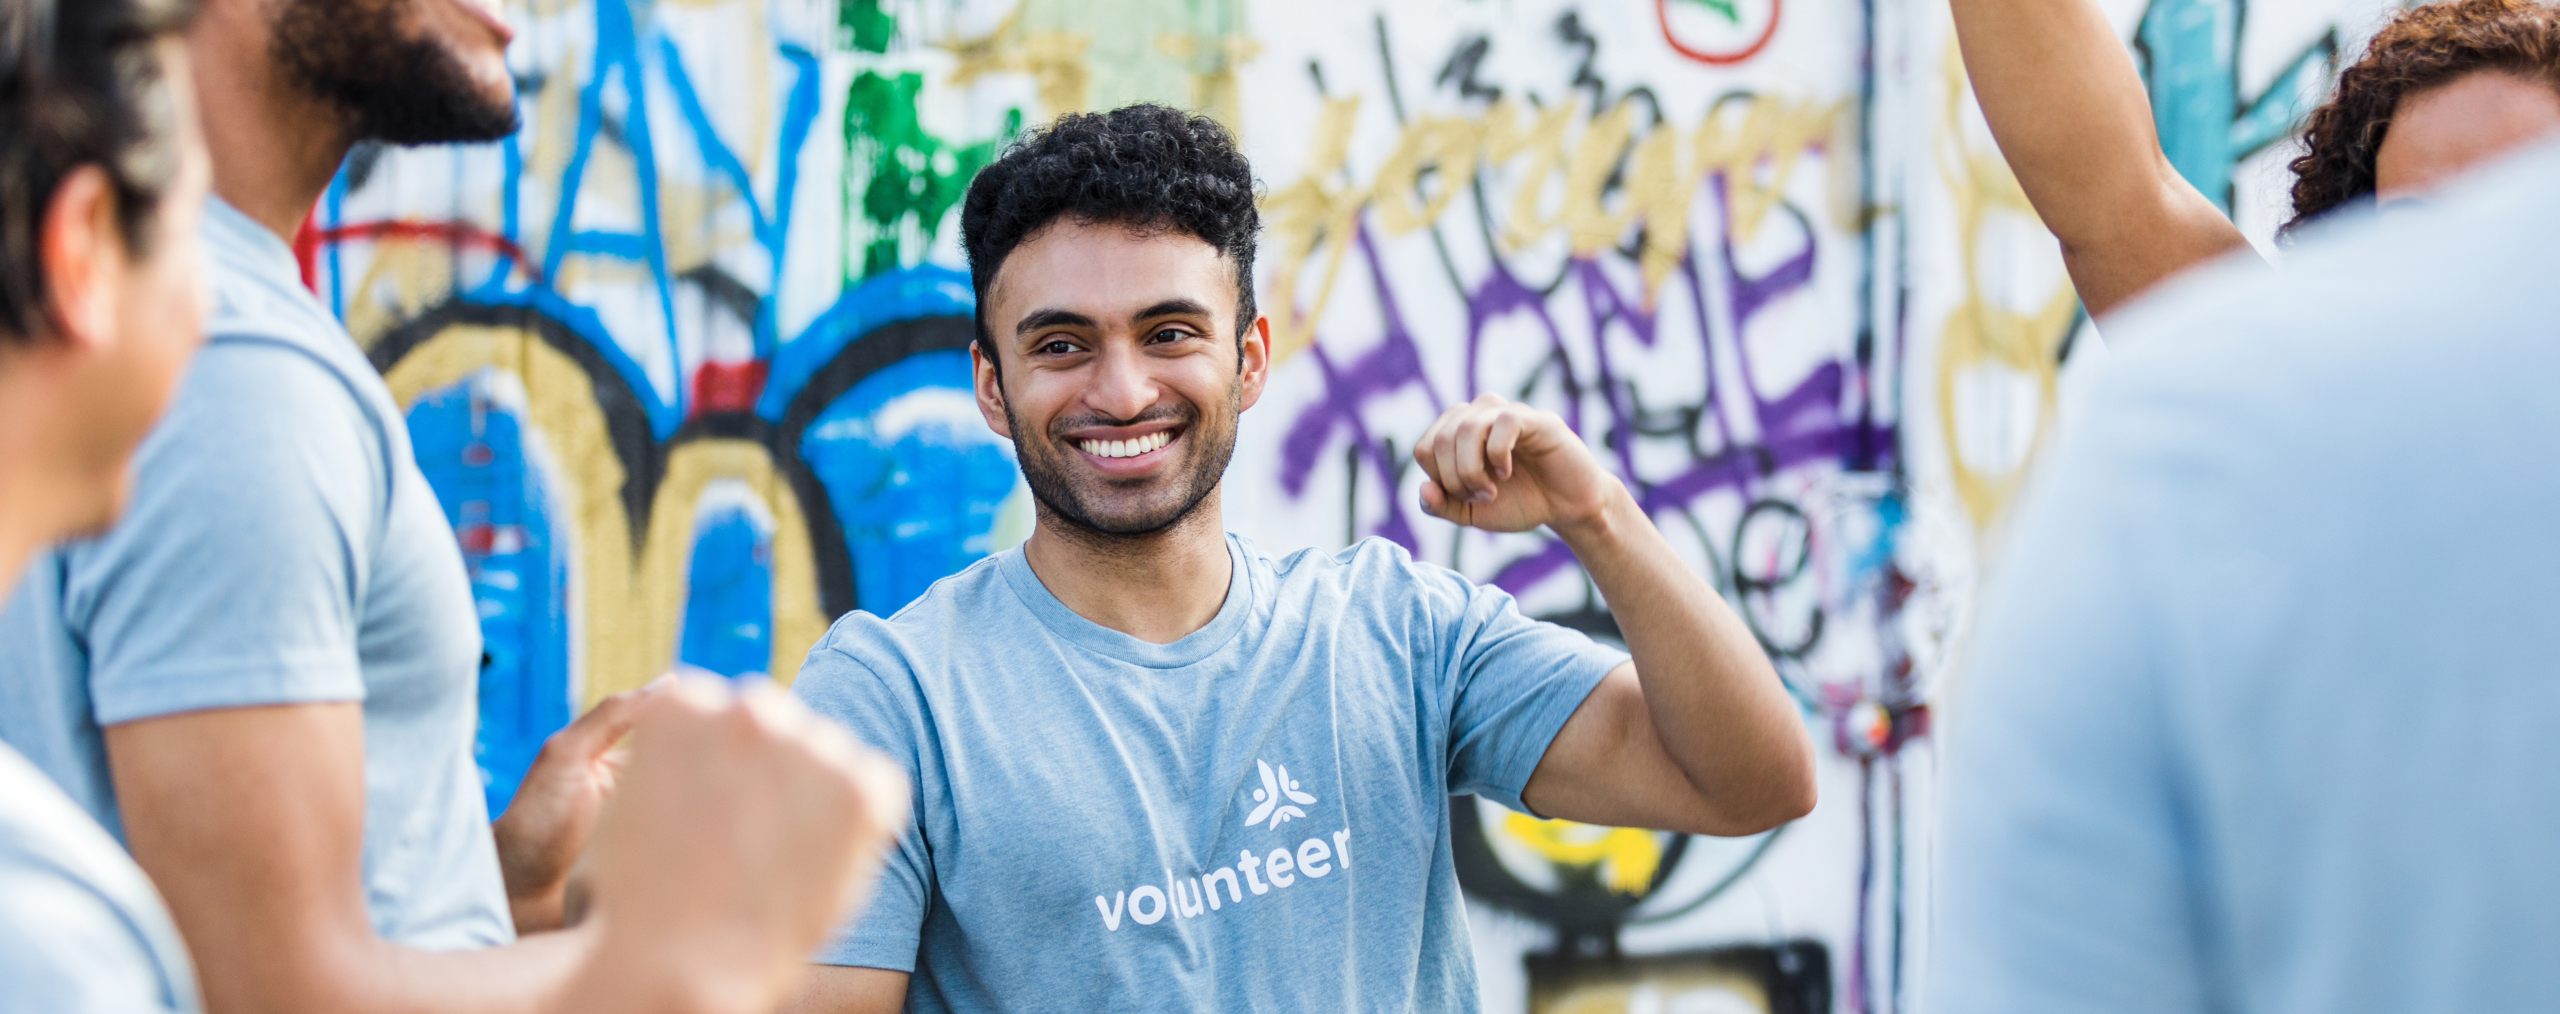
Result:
536,975
1716,704
2062,98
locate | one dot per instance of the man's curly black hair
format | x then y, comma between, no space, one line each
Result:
1144,166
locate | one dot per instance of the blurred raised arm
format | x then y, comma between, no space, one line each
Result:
2067,107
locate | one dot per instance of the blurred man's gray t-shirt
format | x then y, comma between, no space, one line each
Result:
1252,818
81,930
280,548
2261,714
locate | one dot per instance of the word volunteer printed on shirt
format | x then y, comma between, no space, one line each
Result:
1190,897
1108,823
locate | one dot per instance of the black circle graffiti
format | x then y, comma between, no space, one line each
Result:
643,458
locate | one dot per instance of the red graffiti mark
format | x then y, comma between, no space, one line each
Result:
728,387
308,242
1662,13
306,252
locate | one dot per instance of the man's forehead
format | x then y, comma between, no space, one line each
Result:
1110,270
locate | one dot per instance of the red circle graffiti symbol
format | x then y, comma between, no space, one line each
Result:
1662,13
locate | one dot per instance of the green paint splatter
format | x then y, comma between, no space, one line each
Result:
901,180
1727,8
864,25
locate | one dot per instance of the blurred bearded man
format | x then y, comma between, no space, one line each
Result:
263,680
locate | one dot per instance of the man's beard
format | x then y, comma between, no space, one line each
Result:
394,87
1206,450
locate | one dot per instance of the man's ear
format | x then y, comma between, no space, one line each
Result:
990,385
81,249
1255,351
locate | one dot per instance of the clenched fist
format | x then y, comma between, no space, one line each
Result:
1503,466
743,828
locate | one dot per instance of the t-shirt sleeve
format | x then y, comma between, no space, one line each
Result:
232,578
2063,881
1509,682
887,933
65,950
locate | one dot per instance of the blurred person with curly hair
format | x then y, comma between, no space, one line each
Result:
1160,769
2256,717
2442,88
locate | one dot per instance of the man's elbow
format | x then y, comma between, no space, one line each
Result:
1783,793
1798,796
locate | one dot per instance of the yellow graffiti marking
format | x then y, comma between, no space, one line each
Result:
1710,989
1981,334
1308,214
1627,857
692,468
1054,59
1081,55
626,602
1559,183
1216,86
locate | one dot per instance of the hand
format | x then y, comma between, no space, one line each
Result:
546,825
1502,466
746,828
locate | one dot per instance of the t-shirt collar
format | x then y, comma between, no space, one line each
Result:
257,250
1072,627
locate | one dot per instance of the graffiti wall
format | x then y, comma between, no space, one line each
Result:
686,359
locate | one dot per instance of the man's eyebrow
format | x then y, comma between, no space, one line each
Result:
1171,308
1042,320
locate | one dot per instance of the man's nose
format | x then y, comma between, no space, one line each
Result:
1122,388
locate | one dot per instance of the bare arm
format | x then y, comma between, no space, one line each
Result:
251,821
837,989
1697,734
746,827
2067,106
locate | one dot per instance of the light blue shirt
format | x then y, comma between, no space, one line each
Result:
2261,713
81,930
280,547
1252,818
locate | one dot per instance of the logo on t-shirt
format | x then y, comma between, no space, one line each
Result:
1274,800
1254,873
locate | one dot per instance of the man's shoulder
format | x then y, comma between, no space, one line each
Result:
259,315
267,406
957,616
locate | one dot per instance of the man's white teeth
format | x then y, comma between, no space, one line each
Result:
1126,448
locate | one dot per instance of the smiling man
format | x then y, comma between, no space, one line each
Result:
1157,769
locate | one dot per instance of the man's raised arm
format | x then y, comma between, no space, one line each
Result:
2066,105
1698,734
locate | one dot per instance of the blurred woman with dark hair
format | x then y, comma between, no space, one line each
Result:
102,301
2440,89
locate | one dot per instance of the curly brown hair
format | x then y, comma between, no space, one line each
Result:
2420,49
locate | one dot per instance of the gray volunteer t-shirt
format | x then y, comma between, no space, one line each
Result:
280,547
1254,817
81,930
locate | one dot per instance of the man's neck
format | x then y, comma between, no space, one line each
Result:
1157,588
31,505
274,148
15,549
